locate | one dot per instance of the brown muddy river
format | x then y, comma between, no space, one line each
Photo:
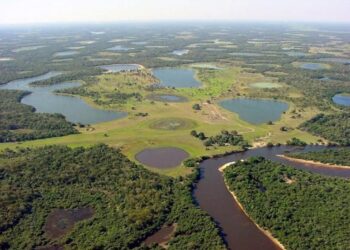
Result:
211,194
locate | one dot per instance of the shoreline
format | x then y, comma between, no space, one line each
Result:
315,163
266,232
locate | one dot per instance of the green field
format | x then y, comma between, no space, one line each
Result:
169,124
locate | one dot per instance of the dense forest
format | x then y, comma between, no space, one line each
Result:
337,156
335,127
114,193
19,122
301,209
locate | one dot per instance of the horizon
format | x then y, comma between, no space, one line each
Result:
140,11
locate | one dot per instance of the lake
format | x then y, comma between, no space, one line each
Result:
73,108
119,48
65,53
342,99
114,68
180,52
176,77
255,111
296,54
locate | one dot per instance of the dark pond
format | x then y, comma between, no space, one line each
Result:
213,197
60,221
256,111
176,77
73,108
343,100
114,68
162,236
162,158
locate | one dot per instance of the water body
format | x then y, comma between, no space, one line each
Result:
180,52
265,85
176,77
65,53
256,111
119,48
73,108
162,158
341,99
312,66
114,68
336,60
296,54
212,196
171,98
246,54
139,43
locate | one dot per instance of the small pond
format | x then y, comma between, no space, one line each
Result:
167,98
256,111
65,53
180,52
119,48
265,85
176,77
342,99
296,54
162,158
114,68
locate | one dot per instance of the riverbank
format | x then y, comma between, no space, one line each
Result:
315,163
266,232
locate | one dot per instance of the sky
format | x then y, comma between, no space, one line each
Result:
47,11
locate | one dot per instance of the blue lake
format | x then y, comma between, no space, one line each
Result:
256,111
73,108
343,100
176,77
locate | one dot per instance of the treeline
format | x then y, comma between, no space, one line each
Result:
34,182
302,210
116,97
71,76
225,138
338,156
335,127
19,122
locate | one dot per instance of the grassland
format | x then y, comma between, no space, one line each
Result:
135,133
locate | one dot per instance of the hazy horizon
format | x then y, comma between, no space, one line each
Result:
109,11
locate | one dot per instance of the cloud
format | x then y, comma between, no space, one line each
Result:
28,11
